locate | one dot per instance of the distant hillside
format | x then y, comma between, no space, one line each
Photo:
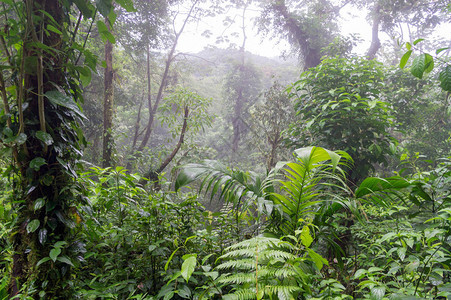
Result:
209,67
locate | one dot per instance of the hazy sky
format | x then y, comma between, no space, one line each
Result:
193,41
352,21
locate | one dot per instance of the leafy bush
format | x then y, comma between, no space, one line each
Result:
340,107
136,241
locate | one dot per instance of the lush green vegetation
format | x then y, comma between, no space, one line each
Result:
222,175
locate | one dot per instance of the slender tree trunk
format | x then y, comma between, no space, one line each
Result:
163,83
108,107
375,41
153,174
236,123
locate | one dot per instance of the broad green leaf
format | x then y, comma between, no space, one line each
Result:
54,253
445,78
412,266
306,238
188,267
374,269
33,225
105,33
85,75
53,29
39,203
86,8
127,5
429,63
184,292
65,259
37,162
376,184
45,137
63,100
8,132
59,244
104,7
21,138
317,259
313,155
408,46
438,51
45,259
422,63
401,253
377,293
358,274
404,59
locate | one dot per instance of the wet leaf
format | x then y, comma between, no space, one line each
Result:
36,163
44,137
54,253
33,225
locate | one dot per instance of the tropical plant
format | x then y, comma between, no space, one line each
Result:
423,63
267,268
315,178
243,190
407,253
136,243
340,107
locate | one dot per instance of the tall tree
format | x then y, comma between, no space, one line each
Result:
391,16
241,90
108,105
192,10
40,89
307,25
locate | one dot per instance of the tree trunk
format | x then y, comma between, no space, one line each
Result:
375,41
163,83
45,160
108,109
311,56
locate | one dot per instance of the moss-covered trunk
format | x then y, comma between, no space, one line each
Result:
44,161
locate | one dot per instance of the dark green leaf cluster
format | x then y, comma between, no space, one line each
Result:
340,106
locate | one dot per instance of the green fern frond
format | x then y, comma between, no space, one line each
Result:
246,264
275,254
243,294
263,265
282,291
285,272
239,278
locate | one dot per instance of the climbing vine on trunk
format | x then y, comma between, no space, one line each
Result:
40,117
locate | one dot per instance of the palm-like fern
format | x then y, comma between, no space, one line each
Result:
261,267
316,177
313,178
242,189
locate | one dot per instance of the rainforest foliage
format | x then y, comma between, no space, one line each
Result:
130,169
